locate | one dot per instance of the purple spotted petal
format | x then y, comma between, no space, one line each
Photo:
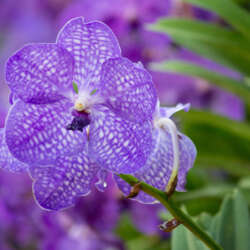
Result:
119,145
37,134
40,73
188,155
7,161
159,166
57,186
91,44
129,89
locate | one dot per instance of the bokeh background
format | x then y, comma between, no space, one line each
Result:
107,220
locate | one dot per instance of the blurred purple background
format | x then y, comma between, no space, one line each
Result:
90,224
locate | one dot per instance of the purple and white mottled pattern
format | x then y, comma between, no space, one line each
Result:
57,186
119,145
42,129
7,161
91,44
3,113
37,133
40,73
158,168
127,87
187,159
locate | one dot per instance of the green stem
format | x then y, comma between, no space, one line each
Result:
174,210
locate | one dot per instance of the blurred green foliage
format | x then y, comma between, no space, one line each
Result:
230,226
240,88
222,143
220,44
135,240
223,161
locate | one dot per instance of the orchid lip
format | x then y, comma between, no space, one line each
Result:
79,122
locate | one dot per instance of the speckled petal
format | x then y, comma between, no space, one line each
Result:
37,134
91,44
57,186
40,73
129,89
159,166
187,159
119,145
7,161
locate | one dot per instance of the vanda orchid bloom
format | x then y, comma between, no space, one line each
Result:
80,110
65,138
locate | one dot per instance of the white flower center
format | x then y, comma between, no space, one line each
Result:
82,103
85,101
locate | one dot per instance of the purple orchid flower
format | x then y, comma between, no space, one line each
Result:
160,164
66,138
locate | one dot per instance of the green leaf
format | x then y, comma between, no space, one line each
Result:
237,87
75,87
229,11
221,142
206,199
244,186
215,191
204,220
201,196
217,43
230,227
184,239
179,238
